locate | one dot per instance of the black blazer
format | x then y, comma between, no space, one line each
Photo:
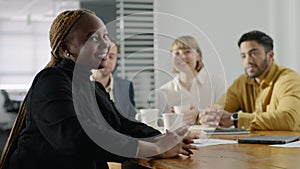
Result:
71,124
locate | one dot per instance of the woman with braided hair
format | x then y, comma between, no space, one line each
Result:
70,121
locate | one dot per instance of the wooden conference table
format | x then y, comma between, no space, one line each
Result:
233,156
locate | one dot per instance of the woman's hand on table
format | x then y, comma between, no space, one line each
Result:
174,143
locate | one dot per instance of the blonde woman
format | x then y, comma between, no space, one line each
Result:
193,85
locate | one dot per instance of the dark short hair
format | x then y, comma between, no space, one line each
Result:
259,37
115,43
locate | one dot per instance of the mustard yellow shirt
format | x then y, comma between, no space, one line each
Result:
274,104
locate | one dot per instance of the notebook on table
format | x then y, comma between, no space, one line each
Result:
220,131
268,139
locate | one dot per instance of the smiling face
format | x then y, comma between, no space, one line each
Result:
185,60
256,61
186,55
88,42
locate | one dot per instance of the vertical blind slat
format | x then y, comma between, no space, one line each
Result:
135,35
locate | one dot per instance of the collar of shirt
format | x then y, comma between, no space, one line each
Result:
201,78
110,87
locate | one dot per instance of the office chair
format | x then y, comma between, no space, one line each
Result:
10,105
11,142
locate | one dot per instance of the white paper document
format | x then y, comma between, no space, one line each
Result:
211,142
295,144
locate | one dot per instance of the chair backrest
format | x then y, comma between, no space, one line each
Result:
6,98
10,105
2,103
10,144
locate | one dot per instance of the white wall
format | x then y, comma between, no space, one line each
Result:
223,22
285,28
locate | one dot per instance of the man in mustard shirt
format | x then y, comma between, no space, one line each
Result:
266,97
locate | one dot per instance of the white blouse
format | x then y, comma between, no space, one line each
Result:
205,90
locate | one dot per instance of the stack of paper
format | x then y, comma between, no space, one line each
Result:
211,142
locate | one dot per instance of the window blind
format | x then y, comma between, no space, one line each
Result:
136,39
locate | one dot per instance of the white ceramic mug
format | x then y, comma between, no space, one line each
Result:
172,121
148,116
180,109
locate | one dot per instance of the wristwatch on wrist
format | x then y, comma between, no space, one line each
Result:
234,118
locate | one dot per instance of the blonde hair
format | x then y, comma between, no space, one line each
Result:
188,42
60,27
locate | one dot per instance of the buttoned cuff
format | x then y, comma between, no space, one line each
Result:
244,120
